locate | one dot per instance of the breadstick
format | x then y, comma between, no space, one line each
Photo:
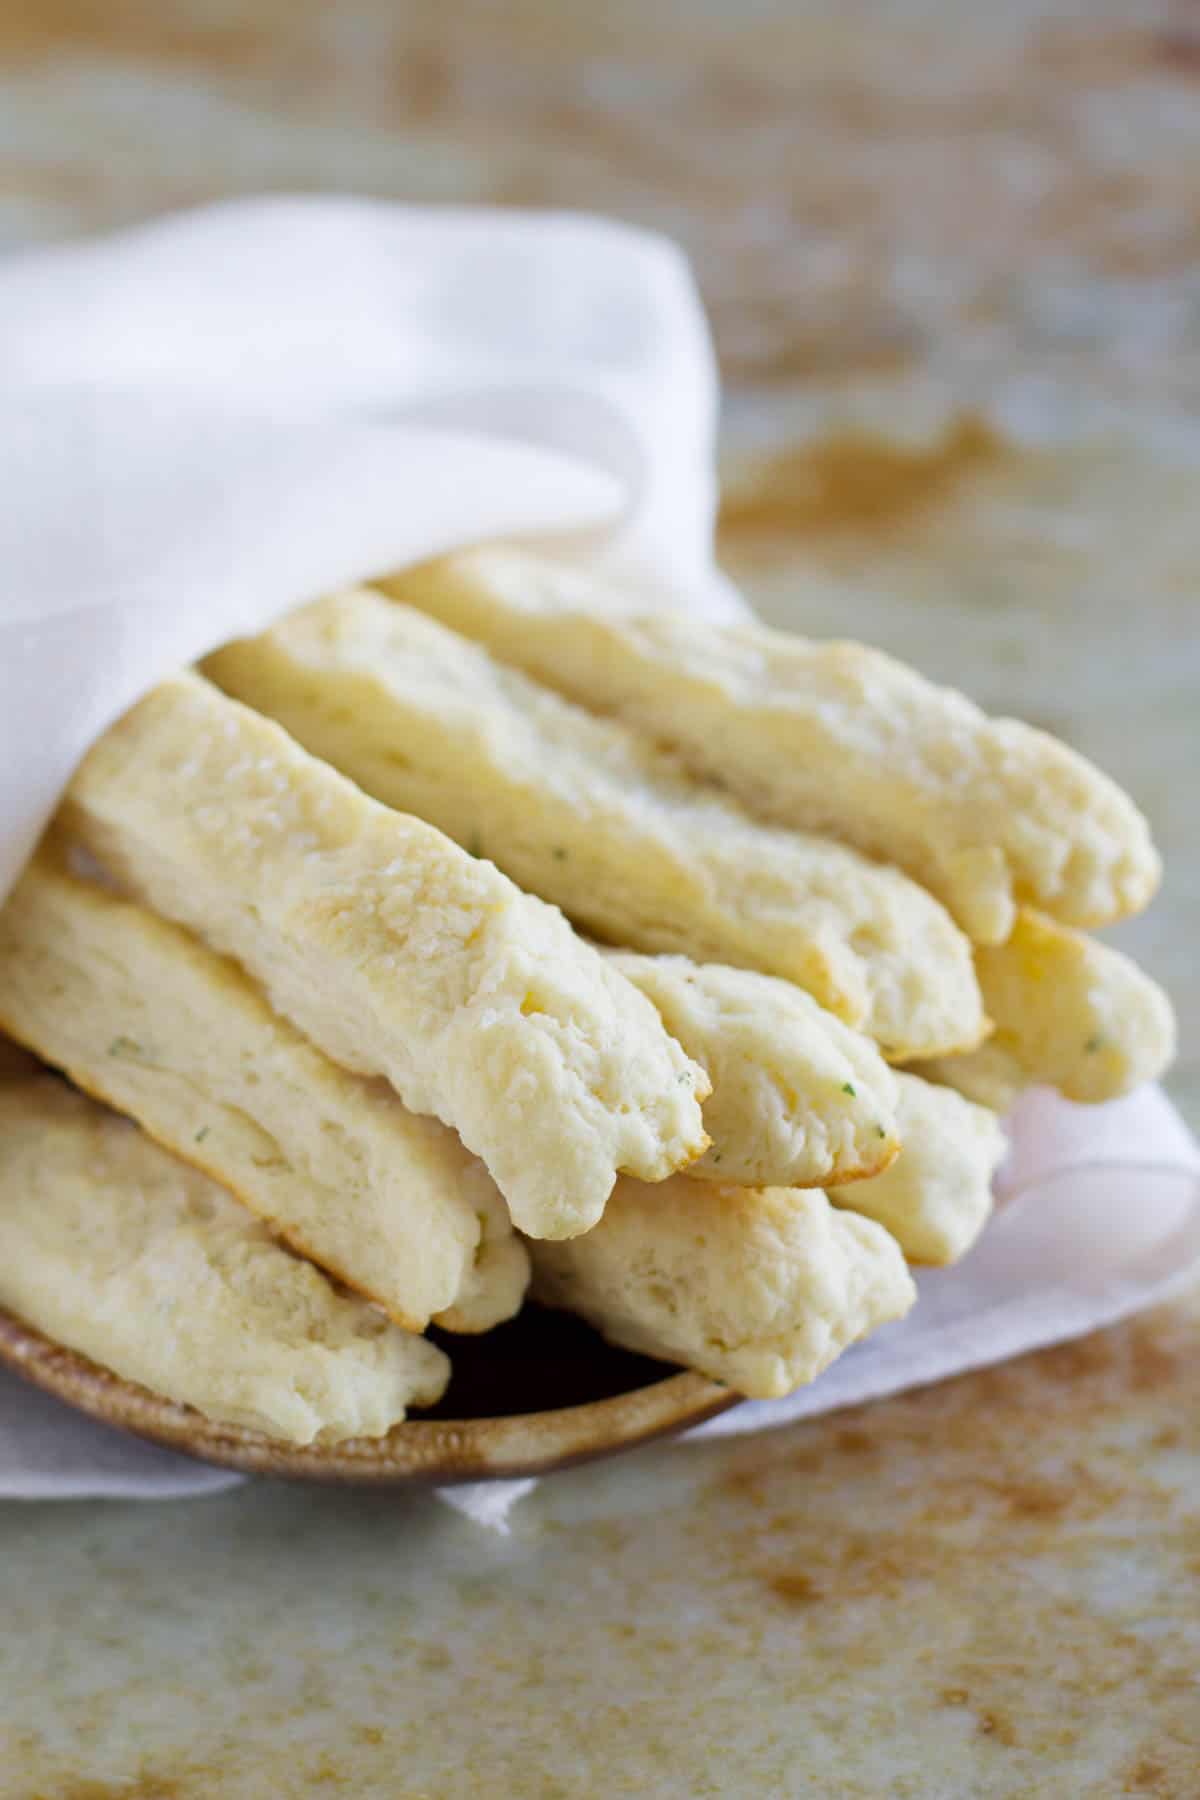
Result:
836,737
114,1249
798,1098
589,815
760,1288
149,1019
936,1197
393,951
1070,1013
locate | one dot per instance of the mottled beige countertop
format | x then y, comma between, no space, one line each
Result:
952,255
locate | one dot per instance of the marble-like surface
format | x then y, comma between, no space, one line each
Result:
952,256
987,1589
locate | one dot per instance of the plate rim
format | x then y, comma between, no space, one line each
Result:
424,1452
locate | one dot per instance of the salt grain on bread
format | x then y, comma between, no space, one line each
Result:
116,1250
798,1100
936,1197
837,737
1070,1013
149,1019
589,814
393,951
759,1288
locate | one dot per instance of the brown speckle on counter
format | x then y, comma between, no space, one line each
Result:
1150,1776
995,1725
854,483
141,1787
797,1589
996,1573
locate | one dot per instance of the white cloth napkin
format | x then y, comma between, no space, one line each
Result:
209,420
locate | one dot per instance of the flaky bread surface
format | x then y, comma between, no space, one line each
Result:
989,1076
936,1197
589,814
1070,1013
798,1100
758,1287
832,737
393,951
119,1251
148,1018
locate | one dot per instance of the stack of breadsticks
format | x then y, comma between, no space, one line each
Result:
475,935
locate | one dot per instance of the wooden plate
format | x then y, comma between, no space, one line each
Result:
536,1394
